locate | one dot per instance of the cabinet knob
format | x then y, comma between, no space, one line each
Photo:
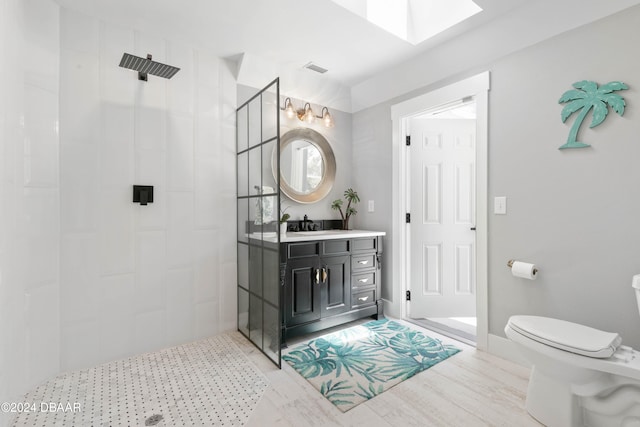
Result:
365,262
317,276
363,298
324,275
363,280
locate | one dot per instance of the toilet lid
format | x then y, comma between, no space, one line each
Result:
567,336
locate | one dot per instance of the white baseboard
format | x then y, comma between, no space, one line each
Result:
390,309
505,348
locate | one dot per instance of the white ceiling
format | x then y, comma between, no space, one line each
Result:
289,33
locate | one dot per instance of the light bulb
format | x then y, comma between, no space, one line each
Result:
309,117
289,111
326,118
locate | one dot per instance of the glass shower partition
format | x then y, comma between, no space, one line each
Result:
258,196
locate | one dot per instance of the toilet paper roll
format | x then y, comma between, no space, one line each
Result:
524,270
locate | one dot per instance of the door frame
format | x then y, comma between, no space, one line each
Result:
477,86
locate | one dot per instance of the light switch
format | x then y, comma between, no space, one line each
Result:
371,206
500,205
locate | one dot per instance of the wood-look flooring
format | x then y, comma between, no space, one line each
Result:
471,388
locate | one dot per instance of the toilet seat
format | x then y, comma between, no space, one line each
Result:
567,336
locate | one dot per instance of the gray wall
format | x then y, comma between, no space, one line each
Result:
572,212
372,177
339,137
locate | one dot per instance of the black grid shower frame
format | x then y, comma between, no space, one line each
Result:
251,199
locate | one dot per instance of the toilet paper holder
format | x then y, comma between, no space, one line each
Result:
510,264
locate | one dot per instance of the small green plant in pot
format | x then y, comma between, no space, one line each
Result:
283,219
352,198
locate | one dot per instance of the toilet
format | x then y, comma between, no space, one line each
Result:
580,376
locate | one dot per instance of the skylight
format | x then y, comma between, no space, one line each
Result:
412,20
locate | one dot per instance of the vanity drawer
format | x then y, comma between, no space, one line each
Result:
362,299
366,244
335,247
363,262
363,280
303,249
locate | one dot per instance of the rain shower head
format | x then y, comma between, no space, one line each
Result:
146,66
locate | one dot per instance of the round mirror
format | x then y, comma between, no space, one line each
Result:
307,165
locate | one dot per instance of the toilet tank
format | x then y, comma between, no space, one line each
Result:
636,285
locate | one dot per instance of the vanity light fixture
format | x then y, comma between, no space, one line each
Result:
306,114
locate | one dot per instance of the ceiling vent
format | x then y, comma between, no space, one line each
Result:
316,68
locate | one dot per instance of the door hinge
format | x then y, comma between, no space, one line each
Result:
407,140
408,218
408,294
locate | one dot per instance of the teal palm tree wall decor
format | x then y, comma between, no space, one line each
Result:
585,97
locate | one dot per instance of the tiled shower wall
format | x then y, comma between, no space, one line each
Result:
29,196
85,275
137,278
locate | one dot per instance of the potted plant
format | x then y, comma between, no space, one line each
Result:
283,221
352,198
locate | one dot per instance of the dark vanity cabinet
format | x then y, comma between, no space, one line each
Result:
329,282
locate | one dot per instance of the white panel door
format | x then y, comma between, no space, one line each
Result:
442,206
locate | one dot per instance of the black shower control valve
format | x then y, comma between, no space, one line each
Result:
143,194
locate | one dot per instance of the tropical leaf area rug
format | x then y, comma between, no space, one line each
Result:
353,365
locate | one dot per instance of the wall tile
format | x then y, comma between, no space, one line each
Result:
206,265
80,105
207,135
118,124
117,338
180,150
150,128
78,183
180,237
150,330
208,179
73,23
180,314
151,167
180,211
40,49
227,320
117,166
151,274
206,319
41,137
79,276
116,314
180,248
43,322
180,88
117,85
40,217
80,345
42,256
39,227
116,231
208,69
116,294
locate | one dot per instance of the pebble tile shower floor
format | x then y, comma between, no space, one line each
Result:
205,383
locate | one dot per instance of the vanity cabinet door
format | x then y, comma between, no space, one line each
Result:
336,284
302,291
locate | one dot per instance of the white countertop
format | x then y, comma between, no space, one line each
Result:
303,236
